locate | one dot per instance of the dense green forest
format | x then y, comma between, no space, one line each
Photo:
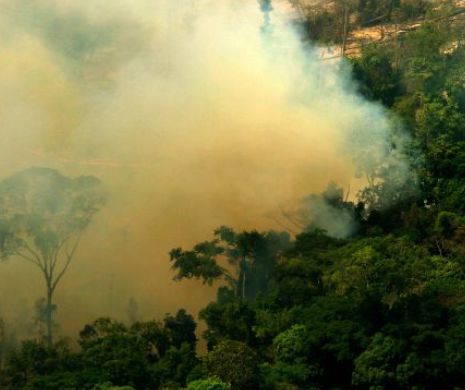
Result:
381,309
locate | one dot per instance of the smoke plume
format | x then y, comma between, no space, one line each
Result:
192,115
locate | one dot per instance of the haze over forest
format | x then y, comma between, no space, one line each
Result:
189,121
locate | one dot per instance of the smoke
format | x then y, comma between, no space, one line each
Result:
328,211
193,116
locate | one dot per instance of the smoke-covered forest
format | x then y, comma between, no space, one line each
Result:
244,194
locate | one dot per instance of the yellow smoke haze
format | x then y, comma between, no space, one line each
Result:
190,114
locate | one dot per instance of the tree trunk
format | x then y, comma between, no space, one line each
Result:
345,23
49,315
243,272
390,9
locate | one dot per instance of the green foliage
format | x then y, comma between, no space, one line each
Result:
109,386
180,329
292,350
175,366
208,384
231,320
372,367
234,363
378,79
199,263
37,366
146,353
291,344
114,353
252,254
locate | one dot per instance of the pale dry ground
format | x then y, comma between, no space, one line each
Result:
284,11
357,38
384,32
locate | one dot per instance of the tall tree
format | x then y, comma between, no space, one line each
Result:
251,255
43,216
